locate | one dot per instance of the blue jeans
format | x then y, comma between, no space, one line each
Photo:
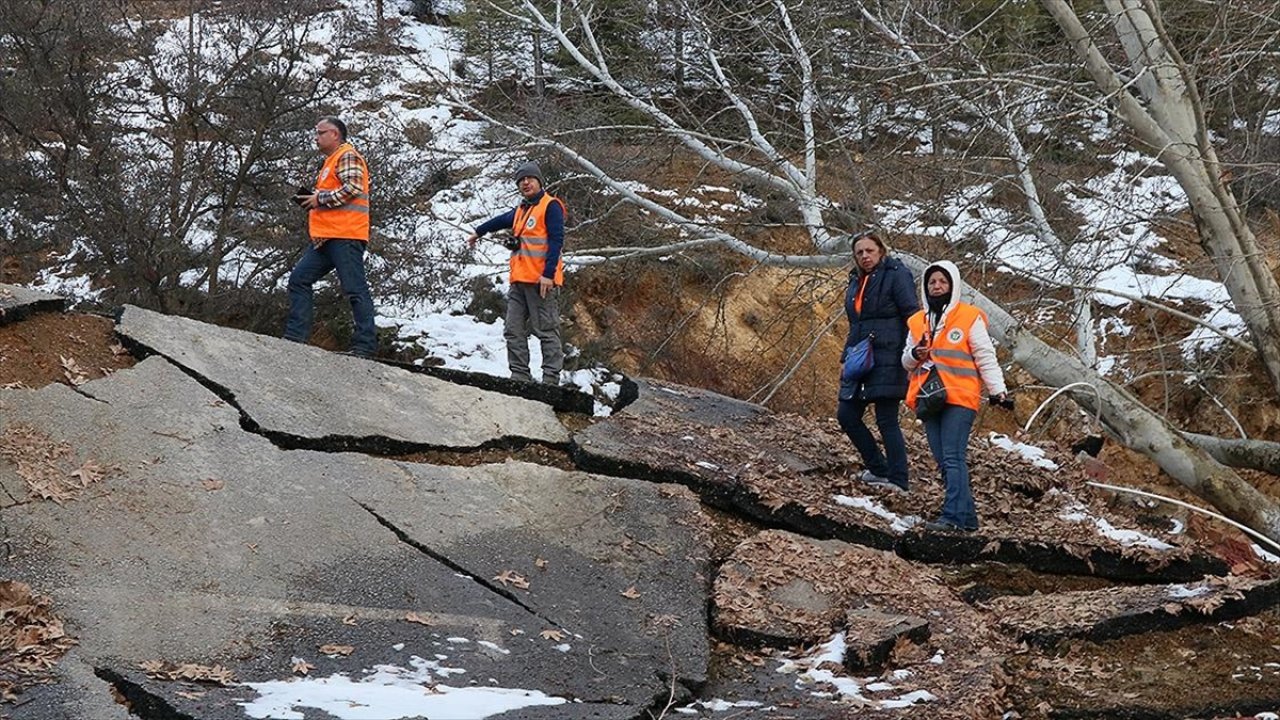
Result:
346,257
948,434
892,463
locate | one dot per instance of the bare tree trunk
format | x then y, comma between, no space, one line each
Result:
1086,341
679,56
539,80
1170,120
1241,453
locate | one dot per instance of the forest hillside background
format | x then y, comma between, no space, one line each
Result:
1104,173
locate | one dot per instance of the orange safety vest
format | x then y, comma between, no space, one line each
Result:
345,222
951,353
530,226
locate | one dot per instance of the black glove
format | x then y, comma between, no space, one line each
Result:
511,242
921,351
1003,401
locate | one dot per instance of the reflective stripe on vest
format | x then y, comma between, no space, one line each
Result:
950,353
349,221
530,225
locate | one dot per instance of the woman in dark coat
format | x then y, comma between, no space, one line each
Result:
880,298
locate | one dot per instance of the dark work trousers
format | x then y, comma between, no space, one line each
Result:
528,313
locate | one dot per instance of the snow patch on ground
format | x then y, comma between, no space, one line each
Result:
897,523
1078,513
388,692
808,671
1030,453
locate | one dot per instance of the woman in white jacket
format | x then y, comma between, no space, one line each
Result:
951,336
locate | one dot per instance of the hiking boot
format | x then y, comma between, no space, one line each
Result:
947,526
880,481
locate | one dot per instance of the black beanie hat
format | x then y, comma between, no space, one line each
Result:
938,268
529,169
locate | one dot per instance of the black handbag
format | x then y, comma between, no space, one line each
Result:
932,396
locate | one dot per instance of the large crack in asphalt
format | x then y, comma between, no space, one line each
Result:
142,703
662,700
452,565
86,394
374,445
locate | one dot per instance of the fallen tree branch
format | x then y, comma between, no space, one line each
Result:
1261,455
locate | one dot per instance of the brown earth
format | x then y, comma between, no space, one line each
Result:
66,348
1165,672
45,348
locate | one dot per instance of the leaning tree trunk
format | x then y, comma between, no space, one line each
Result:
1137,426
1261,455
1170,120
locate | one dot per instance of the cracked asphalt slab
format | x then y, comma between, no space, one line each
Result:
316,398
200,542
17,303
795,473
189,532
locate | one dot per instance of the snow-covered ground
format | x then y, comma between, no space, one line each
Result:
1117,210
419,688
1115,247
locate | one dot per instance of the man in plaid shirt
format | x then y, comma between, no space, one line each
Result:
338,223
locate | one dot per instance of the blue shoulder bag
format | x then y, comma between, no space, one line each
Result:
858,361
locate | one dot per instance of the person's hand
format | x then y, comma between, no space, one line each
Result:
921,350
545,285
311,201
1004,401
471,241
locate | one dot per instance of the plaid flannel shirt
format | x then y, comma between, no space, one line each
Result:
352,176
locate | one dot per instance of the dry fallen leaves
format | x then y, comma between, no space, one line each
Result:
73,372
213,484
191,672
343,650
45,465
32,638
349,619
89,472
414,617
555,635
630,593
511,576
301,667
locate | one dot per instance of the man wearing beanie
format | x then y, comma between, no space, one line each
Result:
537,272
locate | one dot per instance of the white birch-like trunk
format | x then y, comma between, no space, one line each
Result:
1170,121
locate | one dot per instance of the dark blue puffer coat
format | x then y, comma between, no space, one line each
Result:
890,298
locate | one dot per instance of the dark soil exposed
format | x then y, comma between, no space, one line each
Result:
1226,669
